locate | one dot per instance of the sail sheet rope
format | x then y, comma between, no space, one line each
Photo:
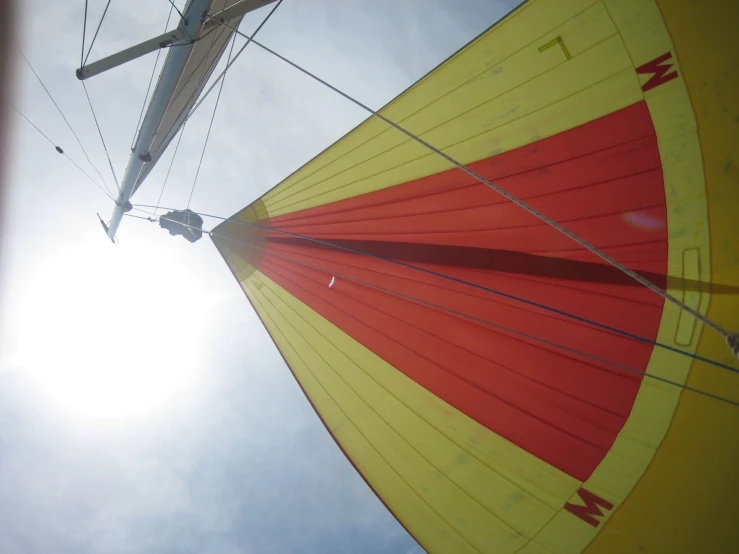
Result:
463,315
69,125
582,242
466,283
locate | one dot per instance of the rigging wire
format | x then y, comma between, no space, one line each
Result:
152,219
37,129
186,80
228,66
218,79
176,8
202,79
456,313
96,32
582,242
84,31
201,65
48,93
473,285
180,120
151,80
59,149
499,326
100,132
210,126
188,42
169,169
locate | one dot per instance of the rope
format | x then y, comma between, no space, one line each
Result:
651,286
151,80
210,126
100,132
228,66
96,32
222,79
479,287
593,357
84,151
59,149
499,326
34,126
171,163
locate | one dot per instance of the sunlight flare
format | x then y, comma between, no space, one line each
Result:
115,333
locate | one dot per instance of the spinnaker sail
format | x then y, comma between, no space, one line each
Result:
195,48
501,388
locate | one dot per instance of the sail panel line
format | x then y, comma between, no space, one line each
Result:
460,281
453,312
582,242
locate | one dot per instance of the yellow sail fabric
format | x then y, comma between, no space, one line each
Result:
410,302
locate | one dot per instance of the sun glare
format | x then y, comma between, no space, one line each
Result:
106,332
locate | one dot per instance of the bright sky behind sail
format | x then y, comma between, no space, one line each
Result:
143,408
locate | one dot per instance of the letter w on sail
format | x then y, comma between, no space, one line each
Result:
592,508
658,69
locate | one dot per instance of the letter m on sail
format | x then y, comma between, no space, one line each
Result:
591,511
658,68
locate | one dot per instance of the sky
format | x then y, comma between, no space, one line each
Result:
143,407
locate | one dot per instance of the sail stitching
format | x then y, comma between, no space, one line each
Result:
582,242
467,283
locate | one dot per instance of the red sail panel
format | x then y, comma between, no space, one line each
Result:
603,181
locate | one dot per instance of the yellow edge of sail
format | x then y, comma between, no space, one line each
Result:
686,499
454,484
